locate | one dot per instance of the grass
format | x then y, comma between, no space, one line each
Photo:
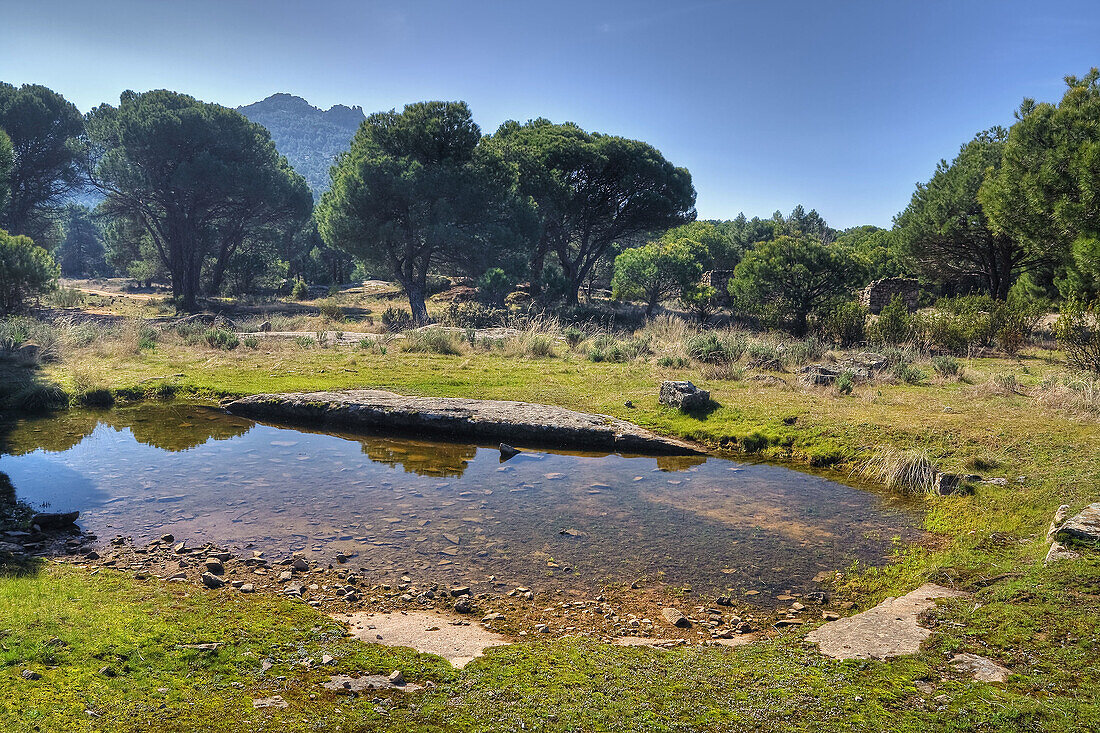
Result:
909,471
1043,622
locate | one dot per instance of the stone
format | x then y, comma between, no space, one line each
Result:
684,396
396,678
980,668
427,632
275,701
1059,517
212,581
30,675
55,520
167,539
489,618
1058,552
529,423
264,327
214,565
247,588
674,617
1083,526
180,548
507,451
946,484
300,564
890,629
460,591
327,659
463,605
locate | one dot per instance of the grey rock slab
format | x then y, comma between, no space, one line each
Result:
890,629
1083,526
980,668
518,422
676,618
450,637
683,395
275,701
348,685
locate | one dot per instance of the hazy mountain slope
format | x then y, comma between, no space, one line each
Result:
309,137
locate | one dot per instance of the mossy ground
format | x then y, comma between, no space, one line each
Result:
1042,622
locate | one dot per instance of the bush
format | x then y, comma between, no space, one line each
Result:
26,271
845,382
66,298
673,362
942,331
607,348
397,320
251,342
894,324
432,341
304,342
845,325
573,336
331,310
801,352
494,286
222,338
907,373
472,315
946,366
299,291
710,348
1078,333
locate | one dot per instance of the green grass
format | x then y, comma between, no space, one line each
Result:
1042,622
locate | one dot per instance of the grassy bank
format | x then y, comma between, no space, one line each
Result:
1003,418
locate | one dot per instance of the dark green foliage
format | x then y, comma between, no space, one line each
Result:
1045,191
845,324
197,180
415,192
299,291
786,279
310,138
591,192
494,286
7,160
845,382
945,228
26,271
894,324
47,137
473,315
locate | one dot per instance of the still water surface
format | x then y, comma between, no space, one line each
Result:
449,511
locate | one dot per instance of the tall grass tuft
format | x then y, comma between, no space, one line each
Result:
432,341
911,471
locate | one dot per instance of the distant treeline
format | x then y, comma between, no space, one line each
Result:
197,196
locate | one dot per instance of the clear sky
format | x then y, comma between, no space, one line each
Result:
841,106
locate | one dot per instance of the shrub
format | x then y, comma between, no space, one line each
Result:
472,315
397,320
66,298
906,372
26,271
222,338
710,348
494,285
299,291
251,342
894,323
146,338
942,331
845,325
946,366
606,348
304,342
1078,333
432,341
1006,383
331,310
798,353
573,336
845,382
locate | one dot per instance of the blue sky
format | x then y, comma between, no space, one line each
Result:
840,106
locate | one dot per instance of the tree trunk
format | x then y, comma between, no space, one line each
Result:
416,303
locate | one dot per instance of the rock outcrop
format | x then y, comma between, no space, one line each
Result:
480,420
684,396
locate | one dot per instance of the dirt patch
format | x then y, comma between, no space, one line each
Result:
456,640
521,423
890,629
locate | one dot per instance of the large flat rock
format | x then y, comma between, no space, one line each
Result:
1083,526
457,641
890,629
522,423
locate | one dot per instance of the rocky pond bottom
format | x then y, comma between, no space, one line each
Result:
451,513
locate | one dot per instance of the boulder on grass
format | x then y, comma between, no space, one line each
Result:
683,395
1083,526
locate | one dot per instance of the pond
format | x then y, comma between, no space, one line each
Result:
451,512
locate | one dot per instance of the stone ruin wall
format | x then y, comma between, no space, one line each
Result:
878,294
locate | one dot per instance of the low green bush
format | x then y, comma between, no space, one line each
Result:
222,338
397,320
432,341
845,325
711,348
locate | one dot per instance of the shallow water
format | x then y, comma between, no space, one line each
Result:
447,511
